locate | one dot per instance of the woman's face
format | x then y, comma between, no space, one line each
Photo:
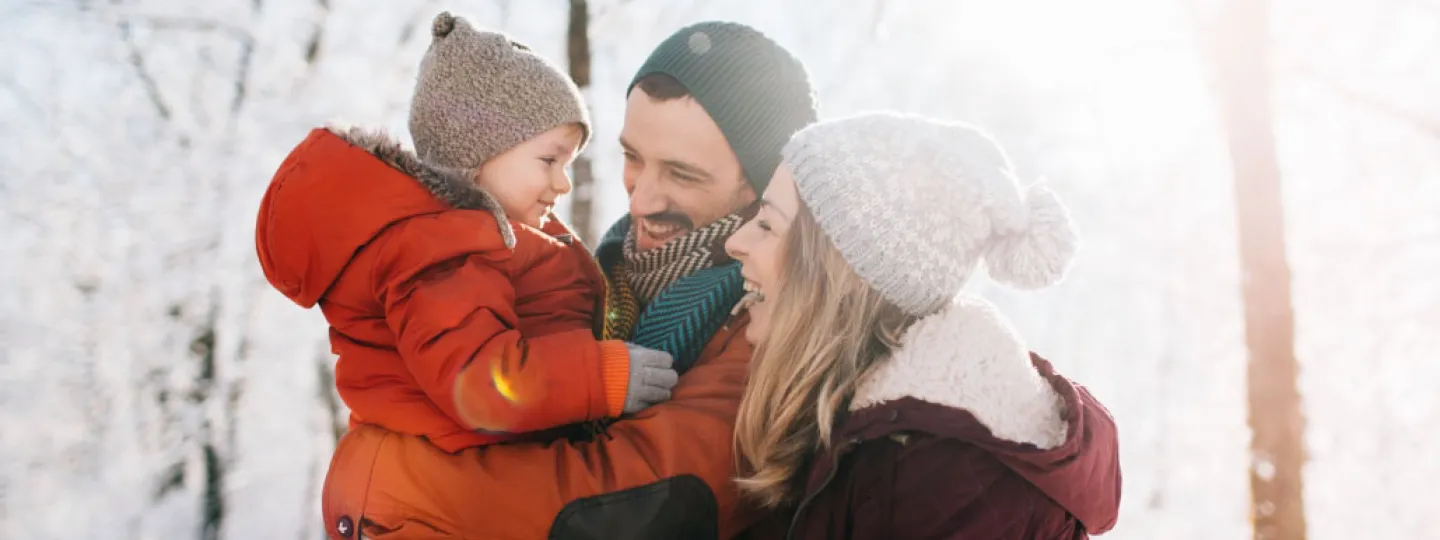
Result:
760,248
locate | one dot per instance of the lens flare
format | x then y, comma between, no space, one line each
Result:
502,384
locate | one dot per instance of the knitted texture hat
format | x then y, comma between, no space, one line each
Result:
479,94
750,86
914,205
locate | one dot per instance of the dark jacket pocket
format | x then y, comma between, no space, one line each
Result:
679,507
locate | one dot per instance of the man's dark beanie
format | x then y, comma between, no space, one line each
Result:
750,86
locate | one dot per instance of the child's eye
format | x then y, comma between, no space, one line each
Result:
549,160
763,225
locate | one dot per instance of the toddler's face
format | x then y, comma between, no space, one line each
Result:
528,178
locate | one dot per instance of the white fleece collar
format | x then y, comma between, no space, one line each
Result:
968,357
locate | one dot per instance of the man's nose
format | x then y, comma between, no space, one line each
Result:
647,198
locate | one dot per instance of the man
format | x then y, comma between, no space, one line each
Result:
704,123
706,117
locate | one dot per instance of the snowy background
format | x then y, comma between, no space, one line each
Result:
152,385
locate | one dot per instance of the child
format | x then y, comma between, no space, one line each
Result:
460,311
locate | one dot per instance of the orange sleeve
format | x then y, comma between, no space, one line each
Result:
526,490
554,294
442,285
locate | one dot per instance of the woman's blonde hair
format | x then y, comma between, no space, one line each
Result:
827,330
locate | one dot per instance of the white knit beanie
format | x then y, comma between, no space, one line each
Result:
915,204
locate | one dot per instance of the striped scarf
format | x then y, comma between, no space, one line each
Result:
650,272
687,311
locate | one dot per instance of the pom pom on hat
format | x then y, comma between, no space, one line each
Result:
443,24
1039,254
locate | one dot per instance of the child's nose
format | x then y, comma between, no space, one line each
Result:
562,185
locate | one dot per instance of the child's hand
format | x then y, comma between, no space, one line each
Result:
652,375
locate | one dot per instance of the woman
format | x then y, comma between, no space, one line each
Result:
881,403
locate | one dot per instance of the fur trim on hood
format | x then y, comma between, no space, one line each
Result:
968,357
455,187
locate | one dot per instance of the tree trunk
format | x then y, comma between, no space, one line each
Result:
582,199
1276,422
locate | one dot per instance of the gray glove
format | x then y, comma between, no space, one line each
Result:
652,375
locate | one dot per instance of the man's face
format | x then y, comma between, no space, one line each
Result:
679,170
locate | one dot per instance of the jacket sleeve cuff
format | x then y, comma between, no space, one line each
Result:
614,375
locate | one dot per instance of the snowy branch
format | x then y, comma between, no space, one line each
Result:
242,74
16,90
602,11
242,36
419,19
193,25
877,18
317,35
137,61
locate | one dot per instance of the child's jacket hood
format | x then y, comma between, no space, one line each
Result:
336,191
